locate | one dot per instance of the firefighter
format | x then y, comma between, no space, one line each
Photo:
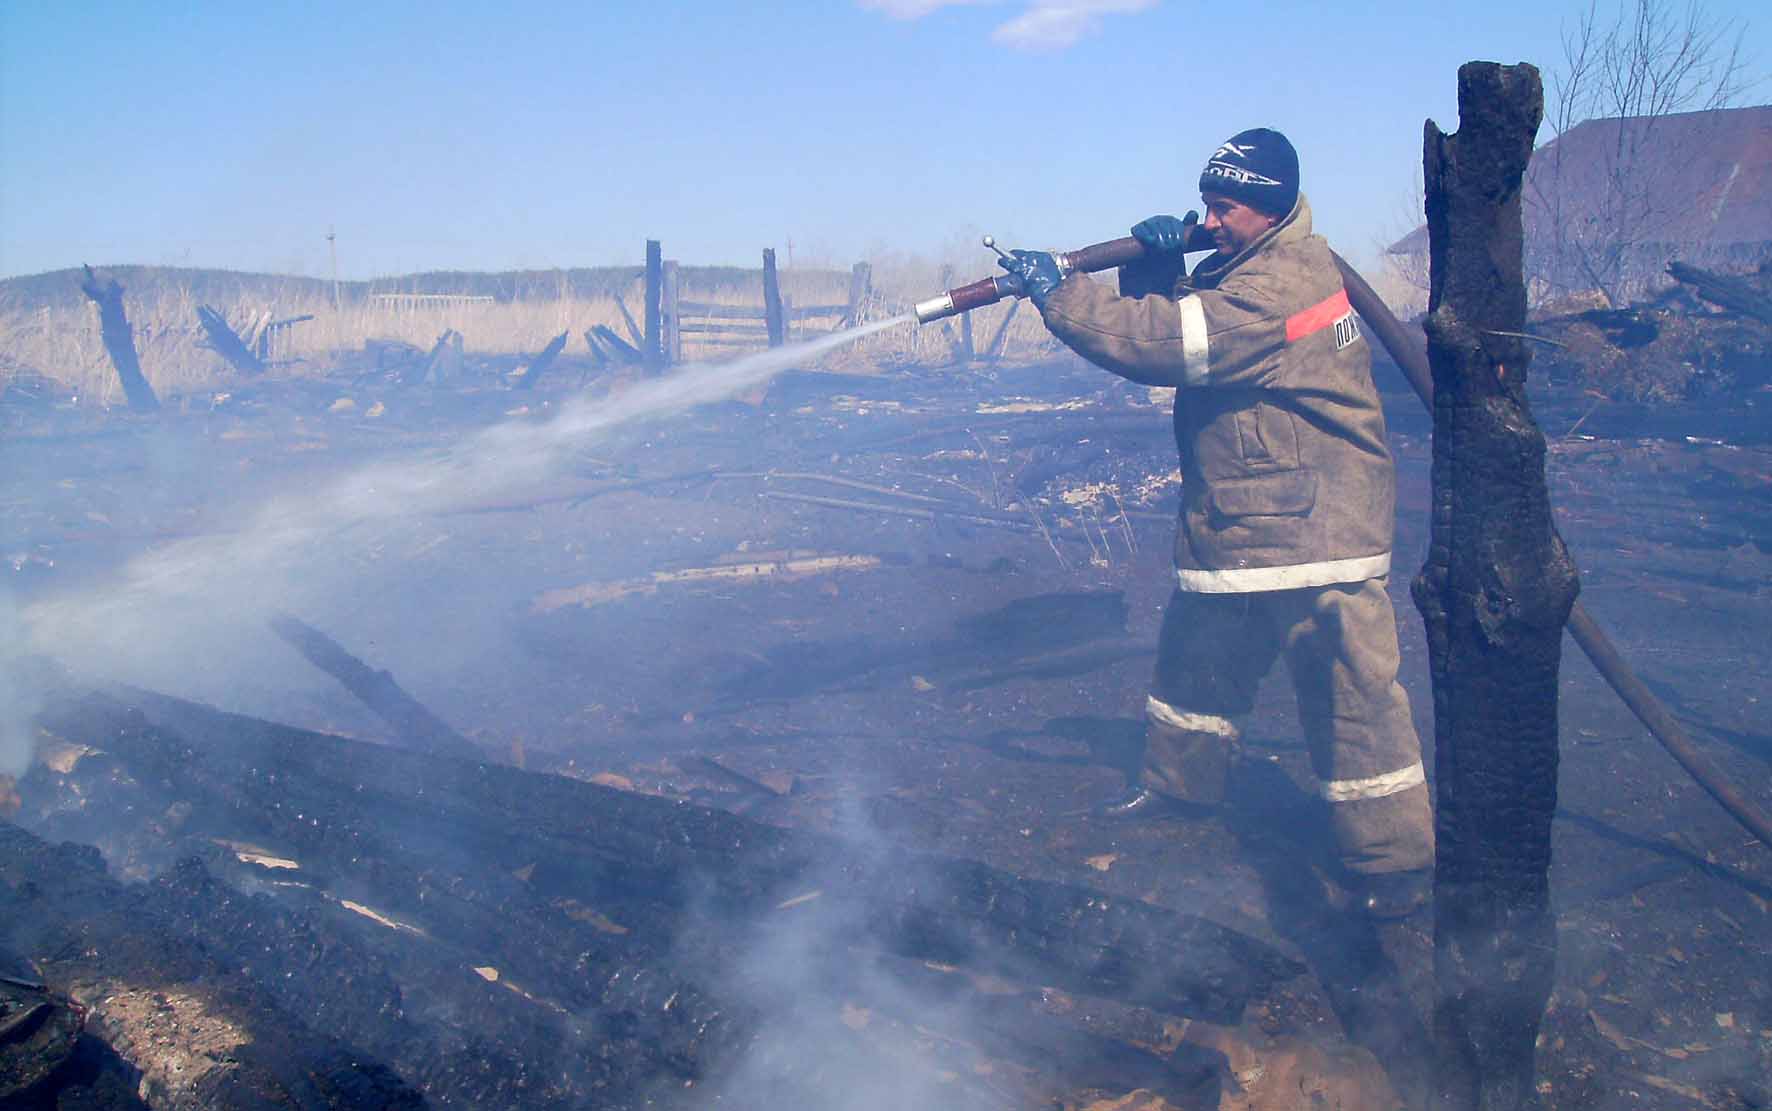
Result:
1288,504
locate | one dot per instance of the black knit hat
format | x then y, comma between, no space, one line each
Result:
1258,167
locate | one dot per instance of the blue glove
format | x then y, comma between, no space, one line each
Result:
1037,271
1162,234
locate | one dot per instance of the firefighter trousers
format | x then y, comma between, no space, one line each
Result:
1340,646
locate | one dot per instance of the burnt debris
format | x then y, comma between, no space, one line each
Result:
504,938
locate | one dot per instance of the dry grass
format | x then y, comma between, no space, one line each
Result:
61,341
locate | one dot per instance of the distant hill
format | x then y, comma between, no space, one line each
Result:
62,287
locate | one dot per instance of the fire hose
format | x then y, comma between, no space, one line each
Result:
1409,351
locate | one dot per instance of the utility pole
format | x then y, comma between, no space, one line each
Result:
790,252
332,246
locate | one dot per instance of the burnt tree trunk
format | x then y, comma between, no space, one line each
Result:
119,340
1495,594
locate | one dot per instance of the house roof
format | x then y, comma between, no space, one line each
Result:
1708,175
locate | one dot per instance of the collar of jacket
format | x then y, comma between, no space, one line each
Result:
1296,226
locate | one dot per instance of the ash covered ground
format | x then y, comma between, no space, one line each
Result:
913,611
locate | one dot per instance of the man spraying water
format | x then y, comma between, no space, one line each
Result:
1288,507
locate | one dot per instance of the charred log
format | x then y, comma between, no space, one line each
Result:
412,722
1495,594
201,1034
1724,290
227,343
119,340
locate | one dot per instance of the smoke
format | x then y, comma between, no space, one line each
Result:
834,1030
19,700
193,611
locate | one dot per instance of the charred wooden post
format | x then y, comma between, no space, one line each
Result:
669,315
1495,594
119,340
416,725
861,285
227,342
968,351
772,312
654,346
542,361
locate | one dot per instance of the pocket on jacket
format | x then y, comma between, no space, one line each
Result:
1288,494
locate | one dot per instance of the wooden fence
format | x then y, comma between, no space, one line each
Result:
671,322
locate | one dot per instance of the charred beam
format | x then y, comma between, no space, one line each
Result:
623,351
119,340
414,724
540,364
227,342
443,364
1495,594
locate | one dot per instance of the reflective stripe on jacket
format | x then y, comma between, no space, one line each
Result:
1287,480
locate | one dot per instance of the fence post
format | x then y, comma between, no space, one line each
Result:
772,315
654,355
861,283
668,314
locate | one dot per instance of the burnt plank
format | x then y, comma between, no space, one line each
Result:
415,725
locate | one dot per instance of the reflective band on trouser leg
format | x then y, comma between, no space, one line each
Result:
1376,786
1195,352
1186,755
1216,724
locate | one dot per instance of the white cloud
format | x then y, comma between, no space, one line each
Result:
914,9
1055,24
1042,25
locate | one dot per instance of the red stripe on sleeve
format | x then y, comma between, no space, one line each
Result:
1317,317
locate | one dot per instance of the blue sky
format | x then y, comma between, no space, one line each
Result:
452,135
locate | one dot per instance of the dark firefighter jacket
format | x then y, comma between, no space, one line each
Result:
1286,477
